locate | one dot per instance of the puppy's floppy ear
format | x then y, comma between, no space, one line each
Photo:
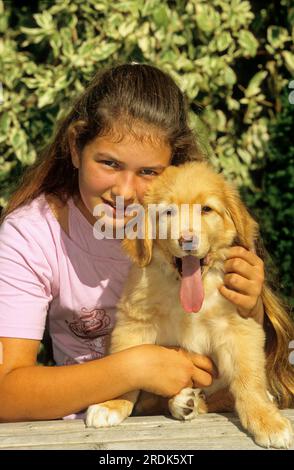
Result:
245,225
140,249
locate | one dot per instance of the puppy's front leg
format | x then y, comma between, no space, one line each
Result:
187,404
113,412
256,411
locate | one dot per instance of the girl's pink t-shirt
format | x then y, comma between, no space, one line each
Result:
71,281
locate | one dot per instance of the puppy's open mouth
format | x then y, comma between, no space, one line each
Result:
178,264
191,271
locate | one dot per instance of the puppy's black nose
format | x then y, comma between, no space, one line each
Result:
188,242
186,239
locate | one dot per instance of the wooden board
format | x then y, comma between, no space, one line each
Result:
209,432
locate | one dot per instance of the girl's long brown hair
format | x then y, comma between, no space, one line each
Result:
140,93
279,329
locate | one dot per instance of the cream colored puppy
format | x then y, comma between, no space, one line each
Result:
171,298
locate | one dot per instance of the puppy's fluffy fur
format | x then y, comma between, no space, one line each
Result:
150,310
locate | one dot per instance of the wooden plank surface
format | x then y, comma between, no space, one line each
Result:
211,431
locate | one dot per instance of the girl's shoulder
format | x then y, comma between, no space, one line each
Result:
37,216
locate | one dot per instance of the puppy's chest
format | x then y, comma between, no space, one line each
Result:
167,295
191,330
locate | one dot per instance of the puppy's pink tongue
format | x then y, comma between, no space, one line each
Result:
191,292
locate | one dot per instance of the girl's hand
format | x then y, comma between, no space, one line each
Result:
166,371
243,281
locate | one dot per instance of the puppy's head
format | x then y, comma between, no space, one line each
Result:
193,188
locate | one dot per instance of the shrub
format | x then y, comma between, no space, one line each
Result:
273,199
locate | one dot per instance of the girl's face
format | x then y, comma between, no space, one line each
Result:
108,169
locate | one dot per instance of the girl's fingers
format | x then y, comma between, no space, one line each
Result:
246,255
247,265
198,360
204,363
243,279
242,301
201,378
242,285
239,266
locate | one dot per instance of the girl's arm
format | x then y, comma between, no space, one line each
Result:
30,392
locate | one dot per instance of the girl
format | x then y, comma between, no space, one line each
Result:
128,125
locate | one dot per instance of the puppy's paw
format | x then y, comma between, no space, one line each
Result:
109,413
188,404
280,435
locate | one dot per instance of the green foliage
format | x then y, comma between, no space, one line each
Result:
273,203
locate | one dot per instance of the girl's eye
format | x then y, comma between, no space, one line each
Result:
147,172
206,209
109,163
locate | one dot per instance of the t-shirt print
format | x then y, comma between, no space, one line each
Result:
93,326
90,324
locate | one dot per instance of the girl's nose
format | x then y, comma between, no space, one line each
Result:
125,186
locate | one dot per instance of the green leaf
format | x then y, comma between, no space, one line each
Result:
289,60
46,98
221,121
127,28
161,17
18,139
244,155
223,41
149,7
129,6
100,6
230,77
55,43
277,36
44,20
106,49
34,35
5,121
254,84
248,42
207,18
86,48
3,22
232,103
61,83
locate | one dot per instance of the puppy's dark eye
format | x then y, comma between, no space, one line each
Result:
168,211
206,209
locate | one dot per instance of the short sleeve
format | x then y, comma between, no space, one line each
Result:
25,280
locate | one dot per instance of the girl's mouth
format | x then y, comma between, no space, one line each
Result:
117,211
108,203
